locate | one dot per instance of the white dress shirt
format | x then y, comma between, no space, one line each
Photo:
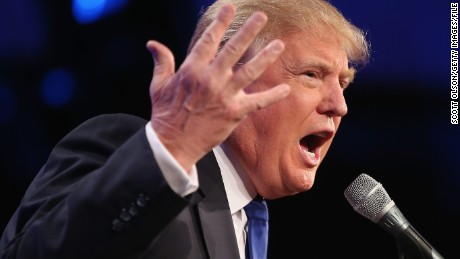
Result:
178,179
239,189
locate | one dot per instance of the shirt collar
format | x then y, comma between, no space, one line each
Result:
239,188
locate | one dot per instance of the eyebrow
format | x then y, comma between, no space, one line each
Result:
348,74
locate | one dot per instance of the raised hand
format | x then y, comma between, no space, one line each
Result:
197,107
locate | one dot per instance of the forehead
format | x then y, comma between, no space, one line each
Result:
309,48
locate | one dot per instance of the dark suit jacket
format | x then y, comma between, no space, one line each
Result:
101,194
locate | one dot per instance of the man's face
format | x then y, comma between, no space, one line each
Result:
282,146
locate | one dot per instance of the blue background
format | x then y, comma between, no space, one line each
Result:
62,62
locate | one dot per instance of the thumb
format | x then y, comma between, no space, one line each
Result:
163,59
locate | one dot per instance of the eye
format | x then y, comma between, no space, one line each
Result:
343,84
312,74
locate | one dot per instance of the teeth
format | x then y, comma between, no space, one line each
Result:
309,154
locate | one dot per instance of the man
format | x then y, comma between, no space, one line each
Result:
251,112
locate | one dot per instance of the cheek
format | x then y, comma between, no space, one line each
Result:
304,99
271,120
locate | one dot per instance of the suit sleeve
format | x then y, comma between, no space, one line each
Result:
101,194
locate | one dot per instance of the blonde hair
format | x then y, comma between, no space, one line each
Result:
289,16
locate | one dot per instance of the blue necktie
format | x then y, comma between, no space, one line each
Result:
257,241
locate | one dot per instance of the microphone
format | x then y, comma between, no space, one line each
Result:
369,198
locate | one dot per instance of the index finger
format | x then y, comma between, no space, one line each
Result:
206,46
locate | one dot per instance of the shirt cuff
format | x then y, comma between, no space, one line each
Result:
178,179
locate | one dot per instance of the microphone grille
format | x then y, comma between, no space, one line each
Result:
367,197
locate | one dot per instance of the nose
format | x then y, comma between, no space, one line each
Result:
333,103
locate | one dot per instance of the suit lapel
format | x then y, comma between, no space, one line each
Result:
214,211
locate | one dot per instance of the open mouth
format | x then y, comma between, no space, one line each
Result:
311,145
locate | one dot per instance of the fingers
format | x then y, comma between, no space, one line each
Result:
239,43
257,65
260,100
206,47
163,61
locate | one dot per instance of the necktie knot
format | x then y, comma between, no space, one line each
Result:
257,209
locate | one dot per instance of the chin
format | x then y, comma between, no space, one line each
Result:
302,181
292,183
